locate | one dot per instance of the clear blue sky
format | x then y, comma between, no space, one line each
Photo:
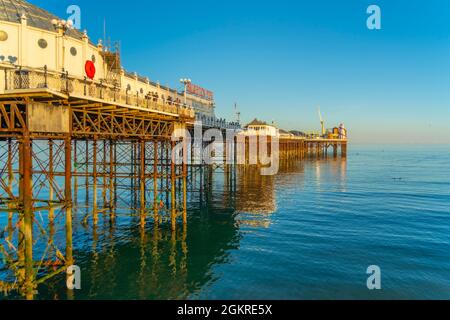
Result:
280,59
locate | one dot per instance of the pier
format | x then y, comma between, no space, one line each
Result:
110,154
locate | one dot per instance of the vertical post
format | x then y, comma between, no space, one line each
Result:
305,150
25,154
225,155
21,234
201,176
228,165
104,184
111,179
67,81
291,150
68,196
115,172
6,79
235,159
247,150
133,173
302,145
94,176
185,160
173,196
163,184
10,187
167,161
155,180
86,173
289,145
142,182
45,76
75,178
51,212
343,149
192,168
302,149
68,199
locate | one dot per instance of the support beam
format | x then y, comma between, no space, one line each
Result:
51,213
112,194
68,199
155,181
185,173
25,153
142,206
173,216
94,177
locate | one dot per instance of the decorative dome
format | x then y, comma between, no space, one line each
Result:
12,10
256,122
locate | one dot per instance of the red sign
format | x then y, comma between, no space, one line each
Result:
90,69
199,91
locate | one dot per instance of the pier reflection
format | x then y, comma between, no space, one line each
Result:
123,261
123,258
335,169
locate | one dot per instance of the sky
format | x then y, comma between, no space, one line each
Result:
280,60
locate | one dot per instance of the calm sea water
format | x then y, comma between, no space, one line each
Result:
308,233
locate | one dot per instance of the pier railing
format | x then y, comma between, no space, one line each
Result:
213,122
20,79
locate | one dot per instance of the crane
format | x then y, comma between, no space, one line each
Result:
322,122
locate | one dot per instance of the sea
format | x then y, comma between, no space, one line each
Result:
316,230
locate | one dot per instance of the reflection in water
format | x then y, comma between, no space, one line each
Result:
121,259
308,233
255,193
330,169
129,262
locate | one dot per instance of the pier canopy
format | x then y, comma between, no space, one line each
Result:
258,127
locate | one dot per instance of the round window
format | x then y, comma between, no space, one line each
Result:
73,51
42,43
3,35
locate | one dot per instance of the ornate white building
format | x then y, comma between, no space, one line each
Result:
39,50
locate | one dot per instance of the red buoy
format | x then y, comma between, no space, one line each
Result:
90,69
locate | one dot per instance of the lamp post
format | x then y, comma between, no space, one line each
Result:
62,25
185,82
